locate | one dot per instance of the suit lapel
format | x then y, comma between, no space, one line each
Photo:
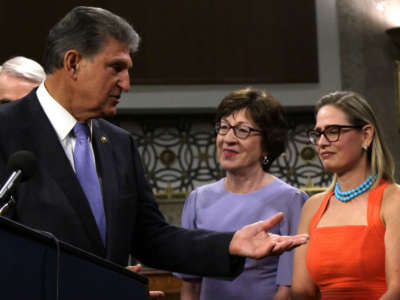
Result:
55,163
102,145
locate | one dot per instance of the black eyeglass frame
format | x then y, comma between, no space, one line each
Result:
235,127
318,133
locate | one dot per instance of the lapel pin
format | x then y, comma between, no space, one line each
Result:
104,139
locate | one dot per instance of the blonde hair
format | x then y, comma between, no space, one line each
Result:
359,112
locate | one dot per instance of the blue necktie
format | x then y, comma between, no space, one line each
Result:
85,170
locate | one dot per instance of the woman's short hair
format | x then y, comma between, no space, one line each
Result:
266,112
359,112
86,29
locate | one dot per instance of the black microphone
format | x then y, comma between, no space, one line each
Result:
22,165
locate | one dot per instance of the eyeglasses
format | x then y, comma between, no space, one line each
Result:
241,131
331,133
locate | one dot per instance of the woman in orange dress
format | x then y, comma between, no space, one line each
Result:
354,227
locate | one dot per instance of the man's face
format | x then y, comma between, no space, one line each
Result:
13,88
101,81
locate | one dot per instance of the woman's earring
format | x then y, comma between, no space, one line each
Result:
365,148
265,160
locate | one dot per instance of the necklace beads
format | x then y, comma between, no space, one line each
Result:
347,196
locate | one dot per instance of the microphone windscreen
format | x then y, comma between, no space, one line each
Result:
23,160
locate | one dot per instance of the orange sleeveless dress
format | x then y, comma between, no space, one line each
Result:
348,262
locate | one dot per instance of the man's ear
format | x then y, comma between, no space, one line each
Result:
72,58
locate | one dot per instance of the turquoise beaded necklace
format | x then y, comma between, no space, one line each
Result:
347,196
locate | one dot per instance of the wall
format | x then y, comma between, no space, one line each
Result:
206,97
368,59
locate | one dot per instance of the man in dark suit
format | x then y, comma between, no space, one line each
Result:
87,59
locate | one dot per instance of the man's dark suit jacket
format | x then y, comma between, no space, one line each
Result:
53,200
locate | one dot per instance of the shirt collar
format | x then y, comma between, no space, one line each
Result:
61,120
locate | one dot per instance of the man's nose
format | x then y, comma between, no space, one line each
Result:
124,82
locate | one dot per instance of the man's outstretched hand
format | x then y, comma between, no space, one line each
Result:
254,241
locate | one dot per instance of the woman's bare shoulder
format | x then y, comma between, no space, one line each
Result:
390,207
315,201
311,206
393,189
391,195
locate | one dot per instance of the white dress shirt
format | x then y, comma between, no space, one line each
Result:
62,121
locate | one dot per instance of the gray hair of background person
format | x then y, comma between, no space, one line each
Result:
86,30
359,112
25,68
266,112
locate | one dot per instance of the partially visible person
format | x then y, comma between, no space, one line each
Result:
18,76
251,133
354,227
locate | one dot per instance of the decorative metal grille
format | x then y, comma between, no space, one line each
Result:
179,154
299,165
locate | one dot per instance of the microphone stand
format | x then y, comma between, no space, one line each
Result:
8,189
14,179
7,205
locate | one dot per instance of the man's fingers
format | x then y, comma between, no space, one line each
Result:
282,246
296,239
286,243
300,239
135,268
156,294
272,221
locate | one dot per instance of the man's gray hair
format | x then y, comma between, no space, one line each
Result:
86,29
23,67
